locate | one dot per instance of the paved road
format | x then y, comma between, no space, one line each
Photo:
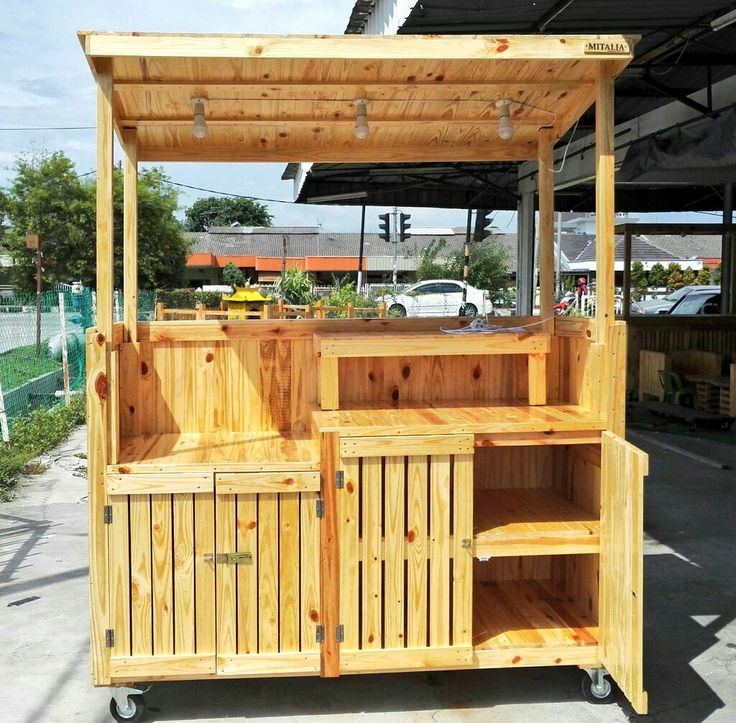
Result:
690,635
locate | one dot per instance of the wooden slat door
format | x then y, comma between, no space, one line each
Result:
268,601
162,587
405,534
623,470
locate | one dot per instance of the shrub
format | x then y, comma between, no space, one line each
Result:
344,295
188,298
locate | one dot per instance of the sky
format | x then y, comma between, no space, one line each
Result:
45,82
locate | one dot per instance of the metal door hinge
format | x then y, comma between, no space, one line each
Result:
107,514
320,507
320,633
339,479
340,633
109,638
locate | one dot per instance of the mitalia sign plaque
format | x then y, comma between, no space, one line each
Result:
603,47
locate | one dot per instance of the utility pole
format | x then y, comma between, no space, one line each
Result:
283,258
33,242
360,253
395,239
466,264
559,254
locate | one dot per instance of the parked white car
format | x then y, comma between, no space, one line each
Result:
438,297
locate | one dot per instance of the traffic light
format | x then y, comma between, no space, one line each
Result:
404,226
483,221
384,225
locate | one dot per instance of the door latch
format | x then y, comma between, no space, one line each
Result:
229,558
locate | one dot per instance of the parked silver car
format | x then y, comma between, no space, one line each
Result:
663,305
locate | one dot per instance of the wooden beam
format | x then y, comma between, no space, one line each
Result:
130,236
546,229
316,122
604,202
348,154
104,196
362,48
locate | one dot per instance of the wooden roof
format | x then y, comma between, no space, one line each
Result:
291,98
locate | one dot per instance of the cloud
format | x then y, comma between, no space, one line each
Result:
13,97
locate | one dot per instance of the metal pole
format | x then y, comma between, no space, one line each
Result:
39,287
283,258
64,350
466,264
627,274
559,254
360,253
728,278
4,432
395,239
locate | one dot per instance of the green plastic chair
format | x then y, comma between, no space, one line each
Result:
675,392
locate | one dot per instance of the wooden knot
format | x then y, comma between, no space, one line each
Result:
406,371
101,386
209,357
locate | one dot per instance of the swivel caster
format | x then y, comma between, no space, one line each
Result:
127,704
597,688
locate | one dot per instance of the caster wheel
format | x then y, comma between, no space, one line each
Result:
134,711
604,692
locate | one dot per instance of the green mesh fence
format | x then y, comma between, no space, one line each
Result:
31,356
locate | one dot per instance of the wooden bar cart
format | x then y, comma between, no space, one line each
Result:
324,497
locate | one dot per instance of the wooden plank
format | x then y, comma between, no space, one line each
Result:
130,235
417,522
329,389
97,456
163,590
141,587
329,558
288,566
246,527
526,439
118,542
439,546
268,573
372,584
462,564
622,566
162,667
604,201
428,343
531,656
546,233
226,577
228,483
349,525
113,434
105,159
407,659
309,567
268,665
402,446
378,48
537,379
151,484
184,588
205,611
394,553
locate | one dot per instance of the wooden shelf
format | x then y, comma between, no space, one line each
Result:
217,452
528,614
501,417
510,522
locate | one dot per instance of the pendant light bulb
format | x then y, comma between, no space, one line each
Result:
505,124
361,129
199,124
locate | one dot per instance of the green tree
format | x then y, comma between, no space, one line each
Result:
657,276
429,263
688,277
703,277
716,274
233,276
295,287
639,281
489,267
46,196
225,211
675,279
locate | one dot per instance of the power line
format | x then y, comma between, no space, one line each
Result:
226,193
51,128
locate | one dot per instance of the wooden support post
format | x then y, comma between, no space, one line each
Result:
604,202
546,229
329,559
103,68
64,350
351,311
320,312
159,311
281,309
329,391
201,316
626,311
130,235
537,379
382,311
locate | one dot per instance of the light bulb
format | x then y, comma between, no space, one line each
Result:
361,129
199,124
505,124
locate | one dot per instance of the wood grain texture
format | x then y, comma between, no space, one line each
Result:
394,553
163,591
350,553
205,607
141,584
402,446
462,563
130,234
183,573
417,522
228,483
372,583
439,547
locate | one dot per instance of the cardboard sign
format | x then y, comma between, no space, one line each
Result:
33,241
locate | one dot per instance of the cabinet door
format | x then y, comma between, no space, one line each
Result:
267,574
162,585
621,566
405,531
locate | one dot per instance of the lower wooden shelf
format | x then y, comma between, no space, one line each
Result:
528,614
511,522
